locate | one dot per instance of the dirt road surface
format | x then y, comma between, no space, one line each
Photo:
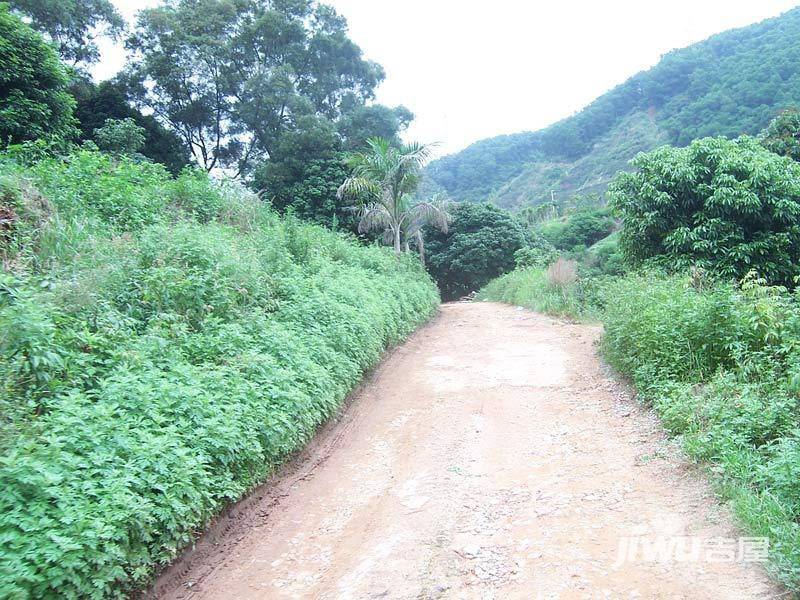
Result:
488,457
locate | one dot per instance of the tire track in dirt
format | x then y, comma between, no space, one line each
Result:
488,457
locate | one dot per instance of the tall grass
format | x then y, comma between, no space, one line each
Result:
556,291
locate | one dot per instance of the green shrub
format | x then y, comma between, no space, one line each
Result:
120,193
480,244
190,192
582,228
538,253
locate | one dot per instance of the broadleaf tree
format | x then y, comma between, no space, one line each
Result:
232,77
478,246
782,135
34,101
727,206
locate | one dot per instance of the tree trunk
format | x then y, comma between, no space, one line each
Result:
397,242
421,248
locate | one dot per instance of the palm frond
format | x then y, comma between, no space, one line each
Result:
374,216
435,213
358,189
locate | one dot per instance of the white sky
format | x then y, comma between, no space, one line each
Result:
472,69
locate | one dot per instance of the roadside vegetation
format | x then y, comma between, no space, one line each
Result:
166,342
701,312
168,336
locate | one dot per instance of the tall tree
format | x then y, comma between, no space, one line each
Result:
232,77
73,25
359,123
34,102
307,165
383,182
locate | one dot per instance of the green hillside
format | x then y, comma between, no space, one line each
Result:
729,84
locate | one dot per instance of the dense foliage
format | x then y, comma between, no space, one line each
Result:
730,84
721,364
96,103
472,174
480,244
581,228
120,136
307,166
782,135
727,206
34,102
164,344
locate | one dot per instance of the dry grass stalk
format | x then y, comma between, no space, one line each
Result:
562,273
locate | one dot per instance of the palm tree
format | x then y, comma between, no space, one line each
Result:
382,183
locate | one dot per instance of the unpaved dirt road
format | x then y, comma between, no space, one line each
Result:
488,457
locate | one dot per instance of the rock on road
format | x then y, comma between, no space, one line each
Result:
490,456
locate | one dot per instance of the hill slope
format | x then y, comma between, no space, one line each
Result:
729,84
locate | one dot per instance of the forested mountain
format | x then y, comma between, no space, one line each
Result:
729,84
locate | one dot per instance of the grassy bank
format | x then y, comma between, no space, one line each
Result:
534,289
720,363
164,344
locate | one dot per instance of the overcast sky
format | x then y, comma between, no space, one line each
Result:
470,70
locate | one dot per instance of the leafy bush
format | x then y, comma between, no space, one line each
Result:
120,136
582,228
782,135
538,253
480,244
604,258
727,206
119,194
191,345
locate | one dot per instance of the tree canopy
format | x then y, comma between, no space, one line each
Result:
727,206
96,103
478,246
34,101
73,25
232,77
782,135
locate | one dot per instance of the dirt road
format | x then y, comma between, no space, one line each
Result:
488,457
